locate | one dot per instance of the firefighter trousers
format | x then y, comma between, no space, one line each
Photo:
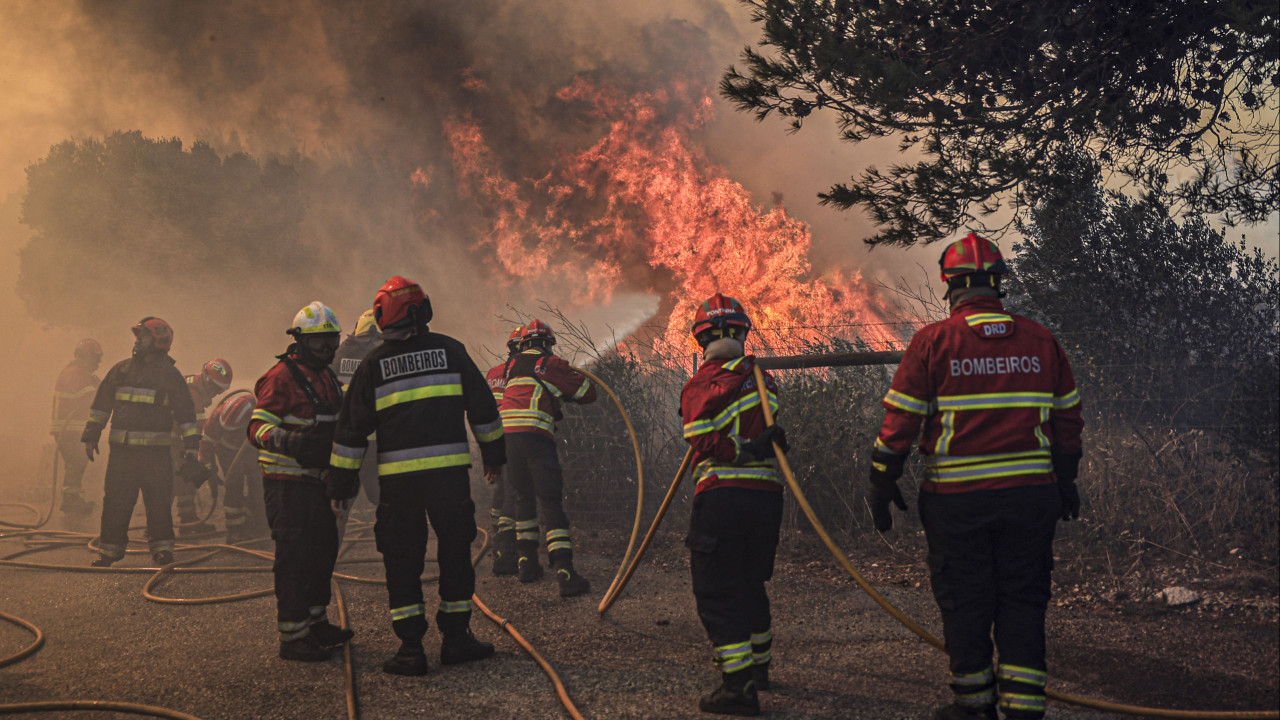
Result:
131,470
409,505
306,538
732,540
536,490
990,561
74,462
243,500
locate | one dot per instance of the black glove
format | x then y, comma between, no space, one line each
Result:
1070,498
885,471
1066,466
193,472
310,447
762,445
340,483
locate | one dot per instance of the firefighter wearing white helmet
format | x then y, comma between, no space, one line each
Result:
292,427
350,353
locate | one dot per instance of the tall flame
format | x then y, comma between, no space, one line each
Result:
643,207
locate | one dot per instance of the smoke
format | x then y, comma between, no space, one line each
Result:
360,95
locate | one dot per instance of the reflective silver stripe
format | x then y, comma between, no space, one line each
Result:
407,611
1030,676
430,451
455,606
355,453
488,431
952,460
416,382
990,470
994,400
986,677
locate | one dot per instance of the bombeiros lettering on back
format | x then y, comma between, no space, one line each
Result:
413,362
995,365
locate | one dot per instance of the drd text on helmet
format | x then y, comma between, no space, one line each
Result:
720,316
88,349
217,372
401,304
536,334
158,329
314,319
972,261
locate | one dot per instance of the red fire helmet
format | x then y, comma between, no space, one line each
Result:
88,348
218,372
969,255
536,330
233,412
513,340
401,303
156,328
720,312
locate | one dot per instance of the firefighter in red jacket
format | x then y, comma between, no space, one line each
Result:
223,441
72,396
419,390
737,505
143,396
502,508
537,382
292,426
1001,445
213,380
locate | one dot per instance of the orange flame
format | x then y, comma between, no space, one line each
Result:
644,208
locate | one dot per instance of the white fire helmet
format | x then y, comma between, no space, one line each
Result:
314,319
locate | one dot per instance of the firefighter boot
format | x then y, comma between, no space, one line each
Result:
504,553
459,646
955,711
408,660
530,570
303,649
571,583
74,505
330,635
735,696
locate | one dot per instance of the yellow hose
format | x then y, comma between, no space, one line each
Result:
99,705
929,638
30,649
546,667
616,590
635,444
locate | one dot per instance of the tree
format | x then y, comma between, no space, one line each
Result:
987,93
1166,321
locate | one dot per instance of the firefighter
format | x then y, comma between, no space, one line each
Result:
502,504
1001,444
143,396
537,382
737,505
213,380
350,353
223,441
419,390
292,427
72,395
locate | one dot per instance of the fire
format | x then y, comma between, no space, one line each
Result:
644,208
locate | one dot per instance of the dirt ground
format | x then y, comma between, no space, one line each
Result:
836,654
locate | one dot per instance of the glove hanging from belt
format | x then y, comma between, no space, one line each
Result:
885,471
1066,466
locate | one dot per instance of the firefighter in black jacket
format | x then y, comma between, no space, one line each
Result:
146,395
418,391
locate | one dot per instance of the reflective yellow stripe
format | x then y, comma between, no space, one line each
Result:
957,460
456,606
265,416
1065,401
987,401
407,611
903,401
422,393
488,432
1031,466
980,318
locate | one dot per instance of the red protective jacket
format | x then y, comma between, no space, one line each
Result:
72,398
721,410
497,380
283,405
995,394
536,383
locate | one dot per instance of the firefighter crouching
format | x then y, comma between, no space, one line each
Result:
1001,442
213,380
297,405
350,353
737,505
72,397
418,391
537,382
223,441
143,396
502,504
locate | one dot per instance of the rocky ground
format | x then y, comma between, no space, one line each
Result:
837,655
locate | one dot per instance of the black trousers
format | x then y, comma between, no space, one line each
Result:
537,483
408,504
305,532
733,537
132,469
990,561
